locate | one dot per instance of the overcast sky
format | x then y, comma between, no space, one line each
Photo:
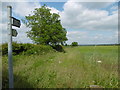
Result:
85,22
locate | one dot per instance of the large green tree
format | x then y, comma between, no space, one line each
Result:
45,27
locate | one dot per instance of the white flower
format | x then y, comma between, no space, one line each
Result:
99,61
59,61
95,86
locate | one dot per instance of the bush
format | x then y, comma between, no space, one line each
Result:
4,49
74,44
20,48
38,49
58,48
28,49
17,48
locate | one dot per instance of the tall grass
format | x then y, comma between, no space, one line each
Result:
77,68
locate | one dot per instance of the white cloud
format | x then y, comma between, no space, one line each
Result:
24,9
92,4
115,12
84,37
54,10
93,0
76,36
114,7
21,37
79,33
3,31
95,5
105,23
4,17
75,15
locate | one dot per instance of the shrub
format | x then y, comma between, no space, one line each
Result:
4,49
17,48
39,49
26,49
74,44
58,48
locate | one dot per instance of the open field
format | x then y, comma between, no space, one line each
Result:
79,67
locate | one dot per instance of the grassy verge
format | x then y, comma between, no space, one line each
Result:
77,68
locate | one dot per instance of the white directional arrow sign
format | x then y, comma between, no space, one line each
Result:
14,33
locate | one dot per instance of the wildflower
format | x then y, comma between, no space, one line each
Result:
59,61
95,86
99,61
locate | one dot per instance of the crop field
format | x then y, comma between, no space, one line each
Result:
78,67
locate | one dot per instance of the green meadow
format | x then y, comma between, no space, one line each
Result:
77,67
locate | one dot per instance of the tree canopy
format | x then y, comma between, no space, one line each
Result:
74,44
45,27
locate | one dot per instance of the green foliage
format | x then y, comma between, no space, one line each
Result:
27,49
4,49
74,44
58,48
17,48
45,27
39,49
